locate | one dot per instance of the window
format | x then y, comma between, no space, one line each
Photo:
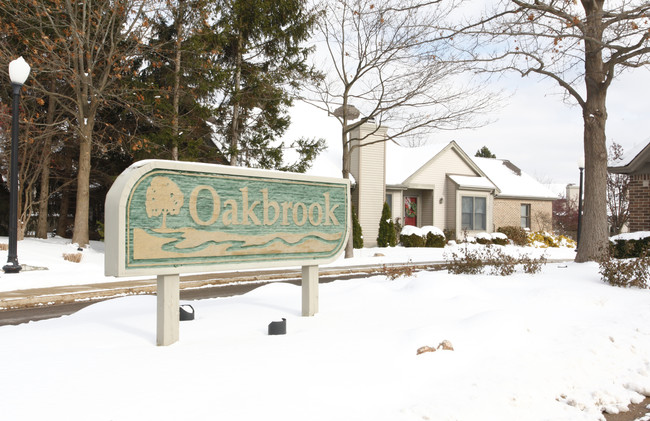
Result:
525,216
473,211
389,200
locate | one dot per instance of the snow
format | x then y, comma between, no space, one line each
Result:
558,345
421,231
402,162
472,182
631,154
638,235
510,183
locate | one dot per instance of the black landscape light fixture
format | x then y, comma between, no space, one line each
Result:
581,167
18,73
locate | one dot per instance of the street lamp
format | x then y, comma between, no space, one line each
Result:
18,73
581,167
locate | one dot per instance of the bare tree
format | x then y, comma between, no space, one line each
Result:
582,46
87,46
389,64
617,193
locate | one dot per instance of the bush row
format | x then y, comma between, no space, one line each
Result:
428,236
475,261
634,272
625,246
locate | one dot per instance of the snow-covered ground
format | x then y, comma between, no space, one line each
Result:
558,345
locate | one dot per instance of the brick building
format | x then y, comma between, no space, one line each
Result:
636,164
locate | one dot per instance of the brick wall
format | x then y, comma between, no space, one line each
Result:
639,194
507,212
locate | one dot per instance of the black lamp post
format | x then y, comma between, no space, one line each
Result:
18,73
581,167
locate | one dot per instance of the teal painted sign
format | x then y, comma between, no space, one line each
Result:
175,217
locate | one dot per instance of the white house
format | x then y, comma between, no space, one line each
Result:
442,186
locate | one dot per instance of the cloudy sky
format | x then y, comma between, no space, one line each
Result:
534,129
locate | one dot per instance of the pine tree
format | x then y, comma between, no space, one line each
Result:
386,235
263,52
357,234
484,152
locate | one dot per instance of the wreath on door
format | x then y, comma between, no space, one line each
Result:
411,208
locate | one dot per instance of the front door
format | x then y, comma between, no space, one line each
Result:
410,210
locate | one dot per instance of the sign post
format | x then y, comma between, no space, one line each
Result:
165,218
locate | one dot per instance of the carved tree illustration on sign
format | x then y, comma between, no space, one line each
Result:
163,197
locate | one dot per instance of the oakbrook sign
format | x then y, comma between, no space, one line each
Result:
164,218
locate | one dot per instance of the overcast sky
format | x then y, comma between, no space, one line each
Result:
534,129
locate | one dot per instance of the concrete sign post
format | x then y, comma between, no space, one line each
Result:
165,218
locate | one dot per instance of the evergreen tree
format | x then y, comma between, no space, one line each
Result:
386,235
179,77
262,50
484,152
357,234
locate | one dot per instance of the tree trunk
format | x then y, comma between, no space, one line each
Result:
349,247
593,235
236,130
44,194
64,208
177,81
80,232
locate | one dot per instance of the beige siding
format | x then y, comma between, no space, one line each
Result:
450,205
368,168
507,212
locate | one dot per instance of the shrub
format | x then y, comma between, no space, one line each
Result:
428,236
516,234
450,234
394,272
541,239
530,265
629,245
4,246
434,240
357,235
469,262
386,235
483,238
499,239
412,240
473,262
633,272
397,226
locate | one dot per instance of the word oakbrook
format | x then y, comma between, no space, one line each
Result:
193,217
298,213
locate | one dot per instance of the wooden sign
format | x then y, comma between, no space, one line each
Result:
164,218
179,217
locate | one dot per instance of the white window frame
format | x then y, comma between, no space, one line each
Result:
489,205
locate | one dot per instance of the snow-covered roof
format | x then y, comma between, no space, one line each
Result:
511,180
632,159
467,181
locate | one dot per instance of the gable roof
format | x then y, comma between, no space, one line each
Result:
633,160
404,164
